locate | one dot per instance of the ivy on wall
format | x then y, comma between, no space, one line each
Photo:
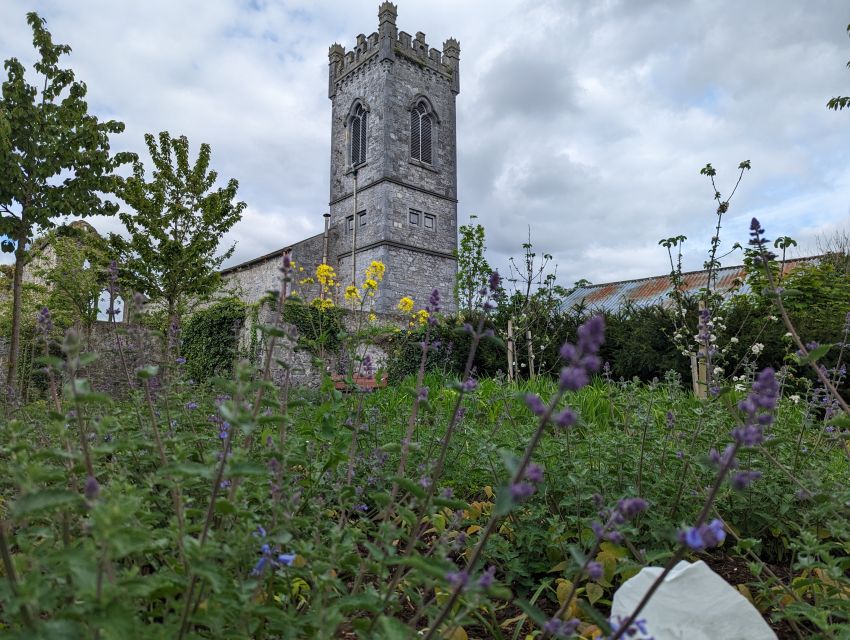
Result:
210,339
318,329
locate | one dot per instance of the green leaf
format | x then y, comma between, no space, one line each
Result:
451,503
145,373
46,500
411,487
815,354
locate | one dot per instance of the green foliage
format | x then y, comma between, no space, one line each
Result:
210,339
46,132
177,223
473,271
74,272
450,343
318,329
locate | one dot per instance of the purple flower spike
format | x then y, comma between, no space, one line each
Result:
566,418
520,491
457,579
535,404
487,578
92,488
594,570
561,628
534,473
631,507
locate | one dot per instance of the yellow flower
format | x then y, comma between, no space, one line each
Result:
375,271
323,304
405,305
370,284
306,281
421,316
372,317
351,293
325,275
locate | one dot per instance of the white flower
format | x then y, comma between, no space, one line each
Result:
712,338
795,398
788,335
757,348
733,340
740,387
773,318
718,371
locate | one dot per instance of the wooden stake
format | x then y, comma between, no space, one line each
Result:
510,351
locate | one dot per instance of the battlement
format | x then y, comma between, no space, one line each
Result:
388,43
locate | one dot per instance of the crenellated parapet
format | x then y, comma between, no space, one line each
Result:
388,43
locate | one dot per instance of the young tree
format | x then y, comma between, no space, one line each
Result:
178,221
54,158
473,271
74,273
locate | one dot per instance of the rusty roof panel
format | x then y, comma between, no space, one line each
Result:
647,292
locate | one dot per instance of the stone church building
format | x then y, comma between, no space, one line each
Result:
393,173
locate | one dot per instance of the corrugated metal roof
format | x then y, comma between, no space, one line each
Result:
646,292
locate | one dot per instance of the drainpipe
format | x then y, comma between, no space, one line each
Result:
327,218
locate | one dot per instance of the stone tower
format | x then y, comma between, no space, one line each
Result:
393,190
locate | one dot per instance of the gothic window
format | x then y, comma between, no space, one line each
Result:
421,132
357,134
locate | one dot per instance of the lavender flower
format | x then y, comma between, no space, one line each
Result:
566,418
520,491
534,473
757,408
703,537
92,488
535,404
561,628
594,570
469,385
457,579
487,578
629,508
744,479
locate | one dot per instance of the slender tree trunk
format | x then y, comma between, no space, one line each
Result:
17,287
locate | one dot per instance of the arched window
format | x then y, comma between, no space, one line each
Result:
357,134
421,130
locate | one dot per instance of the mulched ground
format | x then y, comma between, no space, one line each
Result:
735,571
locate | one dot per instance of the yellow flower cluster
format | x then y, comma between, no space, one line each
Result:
323,304
352,293
405,305
421,316
326,275
375,271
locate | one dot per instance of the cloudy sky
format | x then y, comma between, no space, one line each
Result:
585,121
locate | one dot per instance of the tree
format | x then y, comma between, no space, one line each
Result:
473,272
839,102
54,158
178,223
74,273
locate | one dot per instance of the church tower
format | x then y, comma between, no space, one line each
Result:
393,181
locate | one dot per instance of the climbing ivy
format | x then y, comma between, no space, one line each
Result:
210,339
318,329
